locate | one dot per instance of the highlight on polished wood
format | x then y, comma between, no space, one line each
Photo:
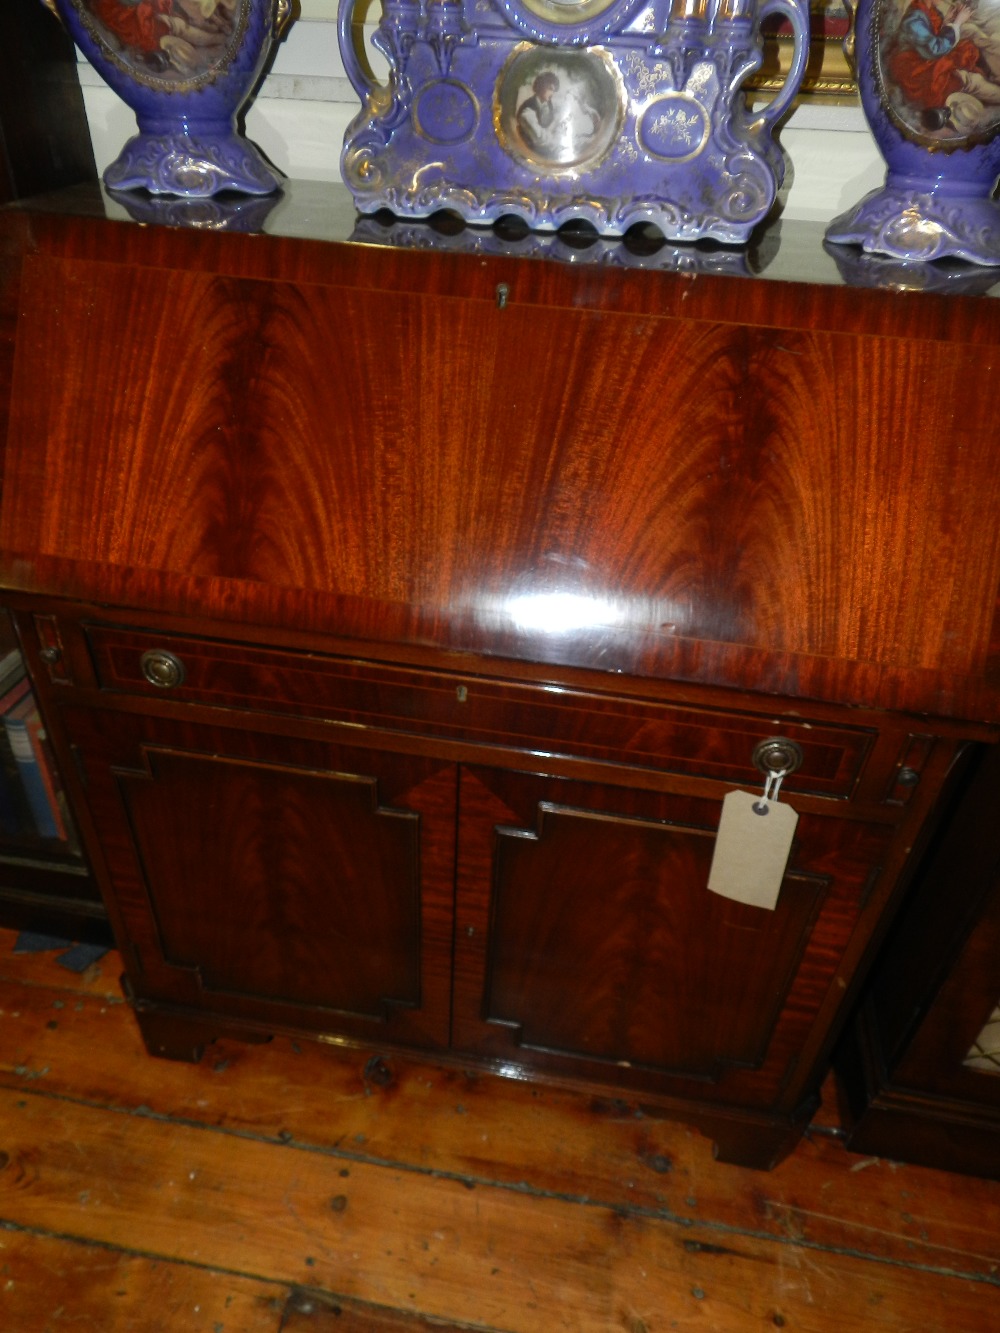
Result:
297,1186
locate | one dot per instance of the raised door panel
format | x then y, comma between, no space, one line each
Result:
601,993
277,881
589,945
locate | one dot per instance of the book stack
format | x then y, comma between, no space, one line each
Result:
30,800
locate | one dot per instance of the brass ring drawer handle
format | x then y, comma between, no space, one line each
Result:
777,755
162,669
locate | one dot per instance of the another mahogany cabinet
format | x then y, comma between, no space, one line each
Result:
409,613
919,1063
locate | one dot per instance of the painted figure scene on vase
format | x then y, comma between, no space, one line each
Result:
938,63
167,41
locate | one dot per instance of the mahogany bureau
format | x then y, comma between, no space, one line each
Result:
402,613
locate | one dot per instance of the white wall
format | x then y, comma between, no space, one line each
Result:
306,102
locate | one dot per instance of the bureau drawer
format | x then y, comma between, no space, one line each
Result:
574,723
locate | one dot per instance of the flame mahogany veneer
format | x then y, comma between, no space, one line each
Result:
477,608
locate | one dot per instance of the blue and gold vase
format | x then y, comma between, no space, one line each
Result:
929,77
185,67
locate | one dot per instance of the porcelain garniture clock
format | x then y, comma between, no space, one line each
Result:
612,112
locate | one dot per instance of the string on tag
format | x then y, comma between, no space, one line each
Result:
772,786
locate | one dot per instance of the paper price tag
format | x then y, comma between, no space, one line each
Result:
751,849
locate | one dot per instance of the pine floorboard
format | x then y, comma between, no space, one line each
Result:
297,1188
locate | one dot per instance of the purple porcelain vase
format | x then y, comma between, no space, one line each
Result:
929,77
185,67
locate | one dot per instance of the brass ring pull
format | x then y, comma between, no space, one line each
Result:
162,669
777,755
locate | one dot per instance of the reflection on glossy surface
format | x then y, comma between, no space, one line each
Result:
223,213
566,597
561,612
861,269
783,251
640,249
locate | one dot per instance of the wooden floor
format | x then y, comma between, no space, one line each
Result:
304,1189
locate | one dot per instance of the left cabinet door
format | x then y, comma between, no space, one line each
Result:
273,881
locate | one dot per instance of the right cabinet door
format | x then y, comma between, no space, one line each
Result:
589,945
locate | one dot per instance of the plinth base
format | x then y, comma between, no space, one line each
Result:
194,166
913,225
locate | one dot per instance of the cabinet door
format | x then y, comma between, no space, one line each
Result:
589,945
281,881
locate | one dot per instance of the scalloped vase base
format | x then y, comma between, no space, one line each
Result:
914,225
192,166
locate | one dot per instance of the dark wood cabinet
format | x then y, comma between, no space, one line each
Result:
44,140
400,642
917,1082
